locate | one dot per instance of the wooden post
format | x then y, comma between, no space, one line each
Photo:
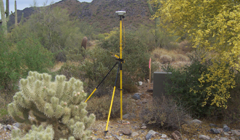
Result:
149,74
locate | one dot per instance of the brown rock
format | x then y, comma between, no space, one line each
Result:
126,131
177,135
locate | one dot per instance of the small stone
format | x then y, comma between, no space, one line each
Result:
223,138
9,127
144,127
15,128
225,134
126,116
232,138
220,130
144,101
164,136
204,137
95,134
116,137
16,125
214,131
236,132
153,133
148,136
226,128
195,121
134,134
177,135
100,139
136,96
126,131
212,125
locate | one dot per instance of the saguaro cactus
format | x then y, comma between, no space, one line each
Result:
4,19
152,11
16,18
7,8
59,103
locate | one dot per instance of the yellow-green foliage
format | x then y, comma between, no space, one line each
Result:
211,25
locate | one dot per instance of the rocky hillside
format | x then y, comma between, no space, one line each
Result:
101,12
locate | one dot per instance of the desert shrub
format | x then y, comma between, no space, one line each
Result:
135,54
76,54
34,57
163,112
185,84
10,64
231,115
53,27
181,57
147,35
100,106
70,70
185,46
165,59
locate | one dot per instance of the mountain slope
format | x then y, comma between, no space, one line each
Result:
101,12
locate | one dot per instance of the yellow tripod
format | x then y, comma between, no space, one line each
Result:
120,61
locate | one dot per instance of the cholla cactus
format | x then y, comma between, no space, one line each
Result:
36,133
59,103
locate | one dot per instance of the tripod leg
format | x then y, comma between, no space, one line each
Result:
101,82
109,113
121,90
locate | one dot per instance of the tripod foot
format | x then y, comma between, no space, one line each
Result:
105,133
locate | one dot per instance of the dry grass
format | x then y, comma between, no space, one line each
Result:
57,66
175,57
100,106
185,46
164,113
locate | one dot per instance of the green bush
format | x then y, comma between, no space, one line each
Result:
184,84
34,57
10,64
54,29
231,115
135,54
147,35
20,57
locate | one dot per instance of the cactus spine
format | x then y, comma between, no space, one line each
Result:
59,103
16,18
